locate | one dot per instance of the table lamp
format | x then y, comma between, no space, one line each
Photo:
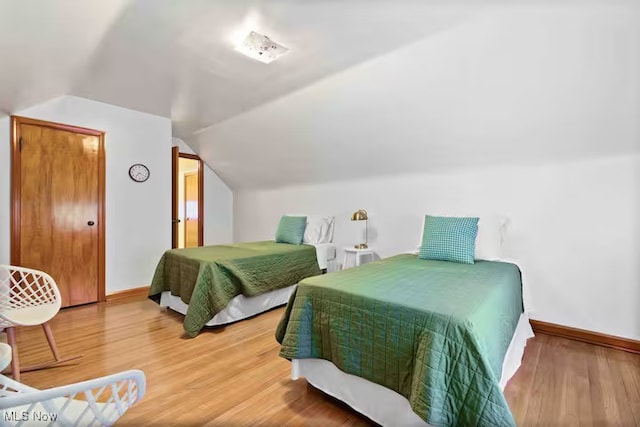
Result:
361,215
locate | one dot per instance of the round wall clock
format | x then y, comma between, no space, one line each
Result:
139,172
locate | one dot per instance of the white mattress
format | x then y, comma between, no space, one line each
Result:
383,405
242,307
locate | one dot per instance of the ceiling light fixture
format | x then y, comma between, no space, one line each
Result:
260,47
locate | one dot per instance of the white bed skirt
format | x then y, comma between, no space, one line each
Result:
383,405
240,307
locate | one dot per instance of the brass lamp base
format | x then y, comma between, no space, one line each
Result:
361,246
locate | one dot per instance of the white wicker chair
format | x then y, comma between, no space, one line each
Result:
101,401
28,297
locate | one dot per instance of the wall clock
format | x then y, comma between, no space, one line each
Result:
139,172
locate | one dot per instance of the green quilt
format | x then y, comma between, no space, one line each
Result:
208,277
434,331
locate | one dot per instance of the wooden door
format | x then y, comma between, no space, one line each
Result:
176,176
57,198
175,172
191,208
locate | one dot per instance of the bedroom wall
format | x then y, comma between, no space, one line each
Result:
574,227
137,215
529,111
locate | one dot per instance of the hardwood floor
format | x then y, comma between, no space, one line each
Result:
566,382
234,376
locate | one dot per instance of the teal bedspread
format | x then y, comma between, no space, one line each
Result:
208,277
434,331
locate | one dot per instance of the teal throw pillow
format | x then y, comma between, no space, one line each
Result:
449,239
291,229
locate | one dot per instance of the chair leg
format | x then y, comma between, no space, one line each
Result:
15,363
54,349
50,340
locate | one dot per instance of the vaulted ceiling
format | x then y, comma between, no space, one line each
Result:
176,58
347,61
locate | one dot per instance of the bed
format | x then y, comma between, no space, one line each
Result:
409,341
220,284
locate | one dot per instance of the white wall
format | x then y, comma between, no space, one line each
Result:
573,225
218,204
551,90
526,110
138,227
530,110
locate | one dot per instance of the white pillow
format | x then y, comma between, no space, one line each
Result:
327,235
319,230
491,230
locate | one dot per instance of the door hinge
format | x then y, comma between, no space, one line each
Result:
20,143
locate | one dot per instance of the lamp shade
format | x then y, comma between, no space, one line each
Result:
359,215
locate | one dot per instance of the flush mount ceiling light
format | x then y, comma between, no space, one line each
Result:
260,47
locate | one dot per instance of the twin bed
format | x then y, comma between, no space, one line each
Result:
216,285
408,341
403,340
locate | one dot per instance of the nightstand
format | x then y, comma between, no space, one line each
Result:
356,255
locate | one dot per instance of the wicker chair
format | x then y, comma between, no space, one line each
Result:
101,401
28,297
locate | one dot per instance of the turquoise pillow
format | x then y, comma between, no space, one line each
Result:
449,239
291,229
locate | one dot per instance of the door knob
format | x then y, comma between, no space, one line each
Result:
90,223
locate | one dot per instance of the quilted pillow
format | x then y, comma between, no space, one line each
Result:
291,229
449,238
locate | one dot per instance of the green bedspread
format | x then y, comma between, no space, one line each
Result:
208,277
434,331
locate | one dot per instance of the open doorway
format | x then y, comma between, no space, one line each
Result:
188,200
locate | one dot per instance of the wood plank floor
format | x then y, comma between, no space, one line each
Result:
233,375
